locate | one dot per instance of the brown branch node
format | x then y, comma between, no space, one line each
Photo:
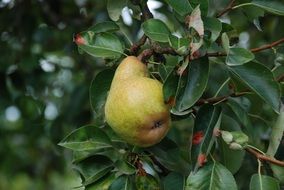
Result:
147,53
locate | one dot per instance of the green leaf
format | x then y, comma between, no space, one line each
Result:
111,153
276,134
196,82
86,138
278,172
174,181
122,183
147,182
170,156
213,176
182,7
272,6
196,22
107,26
256,23
226,42
261,80
231,159
156,30
114,8
253,12
179,44
99,89
170,85
103,45
93,168
203,5
208,118
214,26
263,182
227,27
125,167
238,56
242,116
31,108
103,183
163,71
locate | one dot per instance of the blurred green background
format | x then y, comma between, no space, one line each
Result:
43,89
44,81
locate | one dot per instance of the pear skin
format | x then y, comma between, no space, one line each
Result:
135,107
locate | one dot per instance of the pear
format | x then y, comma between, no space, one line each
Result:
135,107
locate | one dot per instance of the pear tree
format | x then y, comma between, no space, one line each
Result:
186,105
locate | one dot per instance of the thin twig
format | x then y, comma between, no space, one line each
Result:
216,54
263,157
227,9
146,14
268,46
147,53
280,78
254,50
220,98
164,50
136,47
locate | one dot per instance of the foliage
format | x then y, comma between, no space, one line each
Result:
185,75
44,90
226,98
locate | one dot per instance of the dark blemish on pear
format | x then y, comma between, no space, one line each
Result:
157,124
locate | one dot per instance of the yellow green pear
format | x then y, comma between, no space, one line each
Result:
135,107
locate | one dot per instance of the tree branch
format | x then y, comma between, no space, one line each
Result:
147,53
216,54
220,98
262,157
268,46
254,50
280,78
136,47
227,9
146,14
